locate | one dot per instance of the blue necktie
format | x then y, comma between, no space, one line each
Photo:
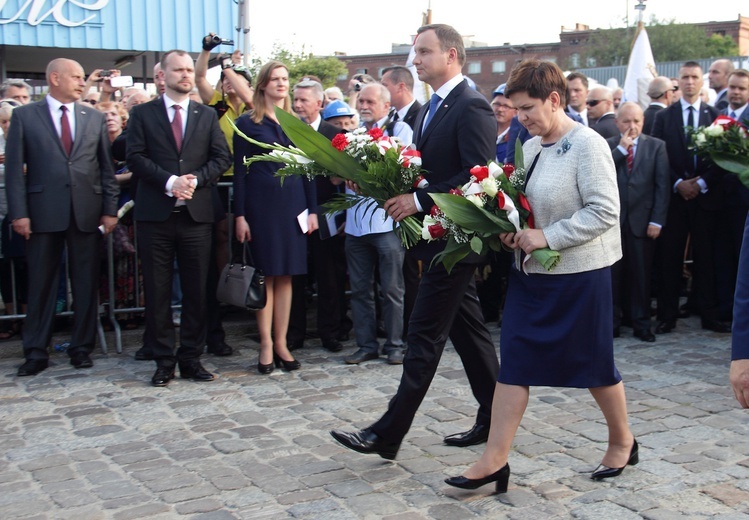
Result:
433,105
733,114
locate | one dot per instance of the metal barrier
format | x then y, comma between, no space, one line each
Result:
108,309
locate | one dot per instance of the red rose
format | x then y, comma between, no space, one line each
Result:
480,172
456,191
435,212
526,205
339,142
509,169
376,133
436,231
500,200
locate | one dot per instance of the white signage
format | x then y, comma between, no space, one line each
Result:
35,15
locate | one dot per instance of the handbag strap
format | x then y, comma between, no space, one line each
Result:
247,254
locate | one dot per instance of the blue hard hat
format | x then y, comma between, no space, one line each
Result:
500,90
336,109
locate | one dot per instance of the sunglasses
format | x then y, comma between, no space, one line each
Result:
593,102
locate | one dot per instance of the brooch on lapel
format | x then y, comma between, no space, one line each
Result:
564,147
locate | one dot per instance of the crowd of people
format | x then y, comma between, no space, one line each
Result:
615,188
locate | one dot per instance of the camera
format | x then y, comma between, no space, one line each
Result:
105,73
213,40
218,40
357,86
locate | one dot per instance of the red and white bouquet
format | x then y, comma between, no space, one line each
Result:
726,142
380,166
472,216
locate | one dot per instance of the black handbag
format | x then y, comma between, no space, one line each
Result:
242,285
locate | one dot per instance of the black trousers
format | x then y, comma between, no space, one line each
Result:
43,256
190,242
630,280
446,306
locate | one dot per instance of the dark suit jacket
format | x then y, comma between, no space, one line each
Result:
669,127
412,113
54,182
644,193
606,126
740,332
647,125
461,135
721,102
153,157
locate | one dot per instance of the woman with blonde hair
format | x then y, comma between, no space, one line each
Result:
266,213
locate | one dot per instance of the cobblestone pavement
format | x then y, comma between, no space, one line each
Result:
102,443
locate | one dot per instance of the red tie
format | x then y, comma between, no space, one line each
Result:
630,158
65,135
177,126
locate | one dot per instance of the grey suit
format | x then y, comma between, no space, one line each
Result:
644,195
64,197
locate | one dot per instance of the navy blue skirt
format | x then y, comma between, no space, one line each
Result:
557,330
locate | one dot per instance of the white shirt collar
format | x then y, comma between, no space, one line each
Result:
448,87
403,111
316,123
169,102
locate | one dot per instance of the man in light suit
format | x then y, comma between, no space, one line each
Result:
66,193
455,132
644,195
177,152
694,209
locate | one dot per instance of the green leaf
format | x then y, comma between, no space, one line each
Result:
519,160
317,146
731,163
469,216
477,245
452,254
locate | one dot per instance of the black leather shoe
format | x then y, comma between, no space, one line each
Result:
716,326
332,345
664,327
476,435
366,441
162,376
395,357
80,359
287,365
143,354
501,477
361,356
645,335
195,371
602,471
220,349
32,367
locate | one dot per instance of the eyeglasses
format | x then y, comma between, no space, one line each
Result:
676,87
593,102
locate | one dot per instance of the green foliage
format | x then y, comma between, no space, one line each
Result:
668,40
301,63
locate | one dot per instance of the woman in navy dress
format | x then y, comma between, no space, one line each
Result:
556,328
266,214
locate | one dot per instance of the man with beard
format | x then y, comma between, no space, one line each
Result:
177,152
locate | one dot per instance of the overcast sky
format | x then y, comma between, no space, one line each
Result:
358,27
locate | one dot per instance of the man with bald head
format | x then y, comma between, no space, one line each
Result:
717,75
601,117
661,92
59,198
642,174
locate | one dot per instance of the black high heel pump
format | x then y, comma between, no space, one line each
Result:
603,472
501,477
287,365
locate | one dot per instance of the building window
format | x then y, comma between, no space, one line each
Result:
474,67
499,67
574,60
590,61
552,59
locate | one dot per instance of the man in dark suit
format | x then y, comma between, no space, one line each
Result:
661,93
694,209
64,195
717,76
328,255
455,132
177,152
400,82
643,178
739,373
601,115
735,200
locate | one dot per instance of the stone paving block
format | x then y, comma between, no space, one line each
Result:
45,462
96,431
142,511
728,494
349,488
127,501
188,493
221,514
205,505
54,474
449,512
596,511
137,456
179,481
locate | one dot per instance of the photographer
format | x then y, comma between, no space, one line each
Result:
102,77
355,85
